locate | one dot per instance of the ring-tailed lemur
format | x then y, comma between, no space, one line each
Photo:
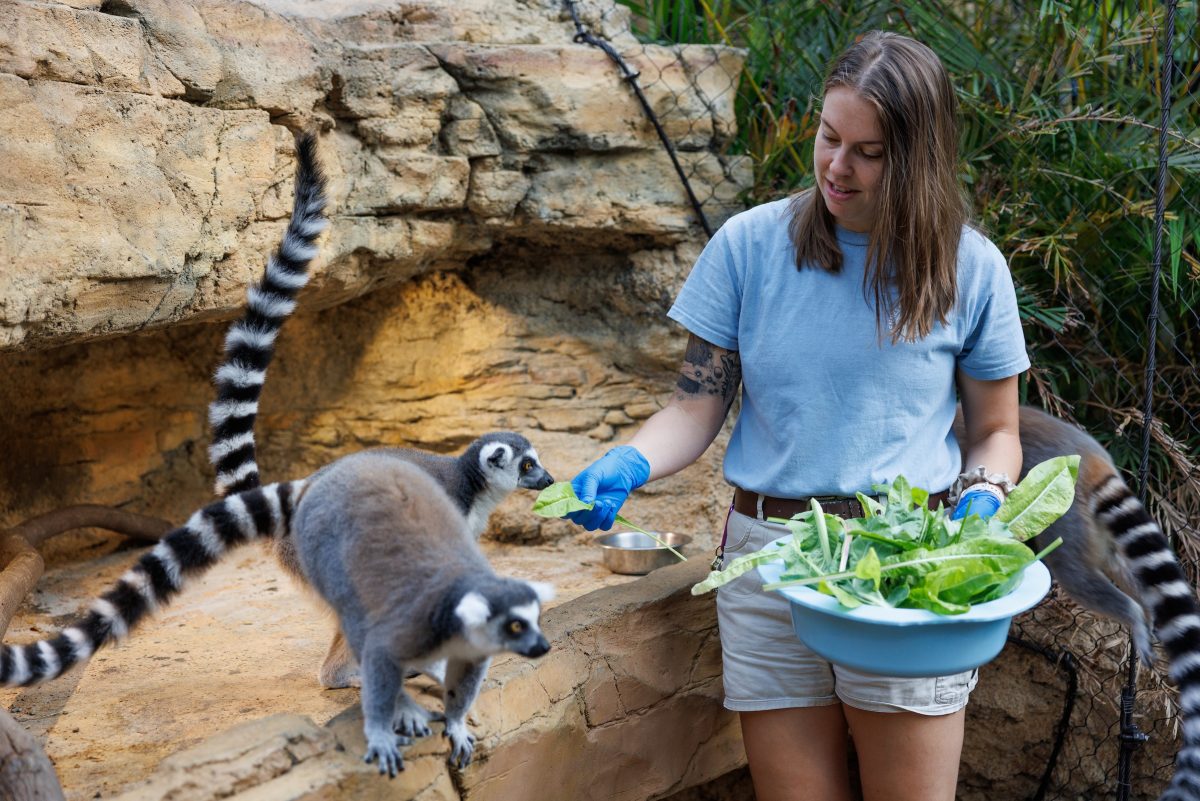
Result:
1107,529
374,538
480,478
385,547
494,465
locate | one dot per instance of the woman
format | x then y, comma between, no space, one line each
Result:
849,315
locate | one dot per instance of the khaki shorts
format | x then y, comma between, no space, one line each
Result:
767,667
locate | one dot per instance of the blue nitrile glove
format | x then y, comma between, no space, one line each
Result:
976,501
608,481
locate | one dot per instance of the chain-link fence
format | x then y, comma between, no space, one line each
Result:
1081,152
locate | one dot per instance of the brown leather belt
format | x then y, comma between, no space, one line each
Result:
746,503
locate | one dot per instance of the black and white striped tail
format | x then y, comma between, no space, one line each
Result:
1172,601
250,343
156,578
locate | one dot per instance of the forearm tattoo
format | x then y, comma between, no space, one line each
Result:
708,370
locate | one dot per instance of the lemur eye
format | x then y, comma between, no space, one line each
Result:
526,465
516,627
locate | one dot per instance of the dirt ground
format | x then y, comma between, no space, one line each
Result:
240,643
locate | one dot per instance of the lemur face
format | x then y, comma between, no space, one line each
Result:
505,618
531,474
518,630
510,461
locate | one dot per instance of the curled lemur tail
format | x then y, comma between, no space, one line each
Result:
156,578
1172,601
250,343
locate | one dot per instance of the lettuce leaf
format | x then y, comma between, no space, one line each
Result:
1043,496
558,500
900,553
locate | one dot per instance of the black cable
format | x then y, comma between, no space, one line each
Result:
629,76
1131,737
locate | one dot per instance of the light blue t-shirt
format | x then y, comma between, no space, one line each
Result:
828,406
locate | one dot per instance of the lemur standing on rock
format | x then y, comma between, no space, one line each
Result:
385,547
480,478
375,534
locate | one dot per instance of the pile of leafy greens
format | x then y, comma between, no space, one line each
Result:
902,554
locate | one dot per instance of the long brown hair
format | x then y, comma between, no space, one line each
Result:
913,244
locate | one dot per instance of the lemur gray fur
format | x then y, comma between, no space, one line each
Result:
385,547
488,470
383,544
1108,530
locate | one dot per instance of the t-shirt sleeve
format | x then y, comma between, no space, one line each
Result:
994,346
709,303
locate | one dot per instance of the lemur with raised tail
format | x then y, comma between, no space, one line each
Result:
480,478
376,536
1108,530
385,546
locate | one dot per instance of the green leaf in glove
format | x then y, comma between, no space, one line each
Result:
558,500
1043,496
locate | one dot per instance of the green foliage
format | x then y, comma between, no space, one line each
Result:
1060,109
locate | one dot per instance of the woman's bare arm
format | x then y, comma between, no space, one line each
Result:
678,434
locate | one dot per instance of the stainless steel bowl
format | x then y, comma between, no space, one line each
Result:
636,554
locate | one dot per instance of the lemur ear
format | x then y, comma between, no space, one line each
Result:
495,454
544,591
473,610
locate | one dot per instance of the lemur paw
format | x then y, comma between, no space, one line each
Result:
383,747
462,744
411,720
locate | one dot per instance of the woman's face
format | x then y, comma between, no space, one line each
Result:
848,159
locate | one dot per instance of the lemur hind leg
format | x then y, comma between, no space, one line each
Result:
340,668
382,683
1093,590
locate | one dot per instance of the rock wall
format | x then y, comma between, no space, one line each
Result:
507,233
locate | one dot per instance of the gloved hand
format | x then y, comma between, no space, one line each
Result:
608,482
976,500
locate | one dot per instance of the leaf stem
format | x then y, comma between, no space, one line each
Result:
1048,548
626,523
845,552
822,529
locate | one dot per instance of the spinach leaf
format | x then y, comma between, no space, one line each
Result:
738,567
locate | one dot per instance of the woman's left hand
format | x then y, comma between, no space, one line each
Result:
976,500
